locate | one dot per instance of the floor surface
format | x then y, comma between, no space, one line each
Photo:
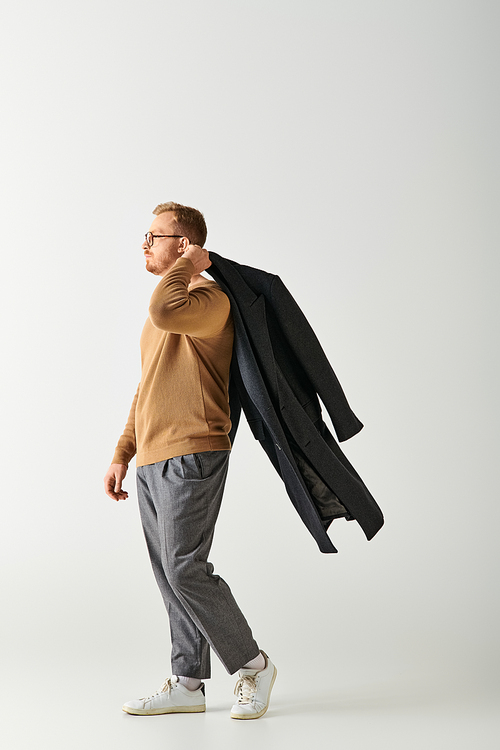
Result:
63,708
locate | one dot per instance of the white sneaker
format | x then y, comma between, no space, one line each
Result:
171,698
254,691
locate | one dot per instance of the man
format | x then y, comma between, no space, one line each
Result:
178,429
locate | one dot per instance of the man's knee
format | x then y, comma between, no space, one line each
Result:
187,574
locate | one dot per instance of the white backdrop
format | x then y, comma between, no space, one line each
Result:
352,148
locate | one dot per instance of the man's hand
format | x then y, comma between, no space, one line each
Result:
113,482
198,257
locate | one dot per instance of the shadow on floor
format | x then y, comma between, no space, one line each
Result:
383,697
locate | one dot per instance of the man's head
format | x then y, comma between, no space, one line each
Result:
183,224
188,221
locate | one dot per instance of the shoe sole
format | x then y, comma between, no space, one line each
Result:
158,711
261,713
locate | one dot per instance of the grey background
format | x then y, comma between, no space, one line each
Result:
352,148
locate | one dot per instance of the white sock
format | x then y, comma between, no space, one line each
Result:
258,663
192,683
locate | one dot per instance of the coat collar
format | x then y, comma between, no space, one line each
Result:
253,319
226,273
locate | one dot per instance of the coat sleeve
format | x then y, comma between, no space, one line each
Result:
309,352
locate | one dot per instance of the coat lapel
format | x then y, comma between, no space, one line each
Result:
258,333
252,308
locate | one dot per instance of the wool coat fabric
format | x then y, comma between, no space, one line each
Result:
278,371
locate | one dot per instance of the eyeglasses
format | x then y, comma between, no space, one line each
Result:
150,237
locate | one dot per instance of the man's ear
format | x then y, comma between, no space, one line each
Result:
184,245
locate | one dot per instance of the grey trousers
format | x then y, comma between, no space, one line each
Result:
179,501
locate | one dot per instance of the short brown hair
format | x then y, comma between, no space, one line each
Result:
188,221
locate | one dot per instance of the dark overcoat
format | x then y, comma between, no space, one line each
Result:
277,373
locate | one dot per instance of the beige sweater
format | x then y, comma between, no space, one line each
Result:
181,405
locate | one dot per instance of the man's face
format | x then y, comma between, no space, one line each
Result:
161,257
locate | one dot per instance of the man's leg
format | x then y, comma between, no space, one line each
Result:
190,649
179,501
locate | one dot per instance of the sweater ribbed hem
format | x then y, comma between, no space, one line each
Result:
184,448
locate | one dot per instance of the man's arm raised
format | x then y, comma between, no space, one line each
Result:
198,310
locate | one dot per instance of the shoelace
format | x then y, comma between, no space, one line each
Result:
165,688
245,689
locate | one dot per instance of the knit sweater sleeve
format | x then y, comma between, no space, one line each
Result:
127,447
201,312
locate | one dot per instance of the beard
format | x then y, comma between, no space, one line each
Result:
160,262
153,267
